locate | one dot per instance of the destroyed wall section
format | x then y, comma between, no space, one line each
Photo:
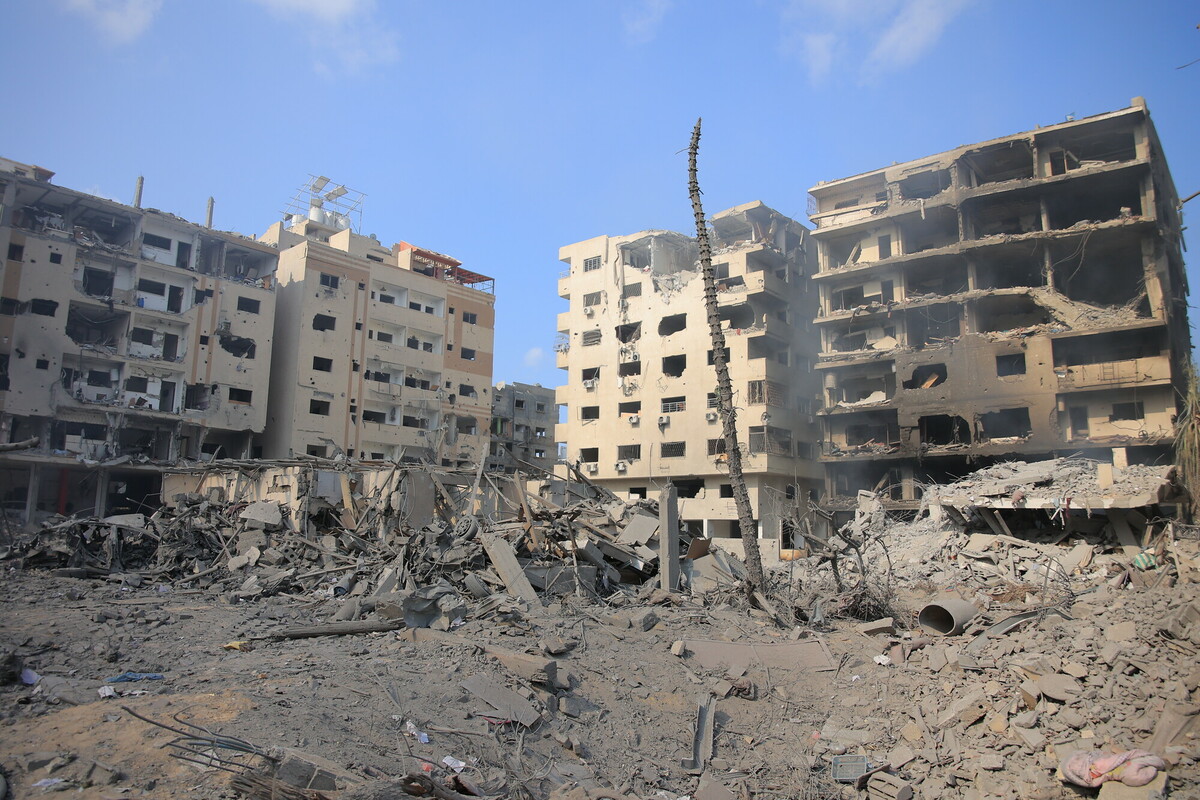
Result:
523,420
385,354
129,337
639,395
1022,296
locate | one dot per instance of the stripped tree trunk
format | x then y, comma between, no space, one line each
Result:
741,496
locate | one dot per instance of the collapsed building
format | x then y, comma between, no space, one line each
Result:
635,342
1022,297
129,338
523,420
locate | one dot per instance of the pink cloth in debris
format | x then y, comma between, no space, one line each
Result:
1093,767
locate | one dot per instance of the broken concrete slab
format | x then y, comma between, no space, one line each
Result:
809,654
506,704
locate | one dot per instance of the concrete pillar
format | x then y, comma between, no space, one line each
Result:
31,494
1120,457
101,507
668,539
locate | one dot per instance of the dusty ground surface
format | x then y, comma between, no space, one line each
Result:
622,714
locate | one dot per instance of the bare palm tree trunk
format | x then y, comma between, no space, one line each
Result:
741,496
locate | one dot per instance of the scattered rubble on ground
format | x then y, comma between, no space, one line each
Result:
305,631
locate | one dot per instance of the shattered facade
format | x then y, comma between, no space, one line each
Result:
640,393
383,354
129,338
1020,297
523,420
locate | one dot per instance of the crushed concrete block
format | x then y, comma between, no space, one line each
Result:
900,755
1121,632
885,625
643,620
912,733
1035,740
1154,790
991,761
1075,670
1058,687
936,658
262,514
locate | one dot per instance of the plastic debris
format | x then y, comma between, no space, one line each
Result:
129,677
1093,767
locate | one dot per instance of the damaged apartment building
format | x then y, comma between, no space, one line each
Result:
1019,298
381,353
129,338
523,420
641,390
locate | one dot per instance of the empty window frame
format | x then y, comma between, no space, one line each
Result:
324,322
160,242
136,383
240,395
589,412
319,407
591,299
1125,411
1010,364
629,452
248,305
466,354
321,364
672,324
470,317
674,366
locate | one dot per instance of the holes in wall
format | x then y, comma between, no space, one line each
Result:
674,366
1010,364
672,324
938,430
926,376
1007,423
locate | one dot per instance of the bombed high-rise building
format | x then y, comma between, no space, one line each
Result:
1017,298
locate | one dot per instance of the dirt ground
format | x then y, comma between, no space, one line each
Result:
622,713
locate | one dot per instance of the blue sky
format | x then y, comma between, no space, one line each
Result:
497,132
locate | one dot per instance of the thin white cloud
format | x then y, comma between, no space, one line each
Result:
864,38
345,35
913,32
119,21
642,21
534,357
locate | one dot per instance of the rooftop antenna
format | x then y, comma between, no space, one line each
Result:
338,208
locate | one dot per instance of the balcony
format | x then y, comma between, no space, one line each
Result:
1155,369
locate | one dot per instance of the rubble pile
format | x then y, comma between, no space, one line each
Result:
331,636
593,545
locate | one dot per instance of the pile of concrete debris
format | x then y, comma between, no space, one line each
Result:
336,533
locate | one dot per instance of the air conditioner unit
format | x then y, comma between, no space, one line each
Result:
592,468
590,383
588,311
620,466
634,419
664,420
711,416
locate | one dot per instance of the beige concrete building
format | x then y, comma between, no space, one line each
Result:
640,392
523,419
1018,298
129,338
381,353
